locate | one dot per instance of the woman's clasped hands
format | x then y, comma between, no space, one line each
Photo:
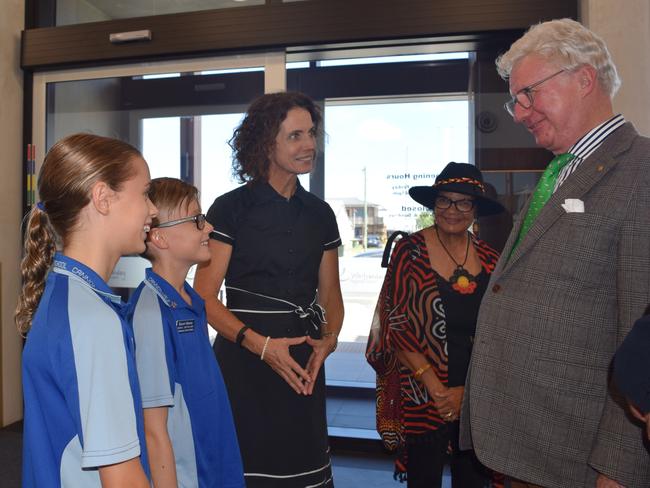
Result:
448,402
277,355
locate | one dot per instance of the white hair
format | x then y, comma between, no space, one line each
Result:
568,44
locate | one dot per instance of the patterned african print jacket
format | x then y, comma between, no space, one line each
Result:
410,316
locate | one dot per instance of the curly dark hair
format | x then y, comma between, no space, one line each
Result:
255,137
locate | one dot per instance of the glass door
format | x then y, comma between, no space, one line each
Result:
179,114
393,117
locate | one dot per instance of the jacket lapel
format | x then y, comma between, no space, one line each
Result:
579,183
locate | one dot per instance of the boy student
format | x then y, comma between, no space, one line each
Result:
193,444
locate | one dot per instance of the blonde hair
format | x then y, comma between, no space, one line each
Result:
169,195
71,167
568,44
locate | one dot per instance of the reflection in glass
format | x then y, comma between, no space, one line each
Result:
513,187
91,106
402,58
70,12
231,70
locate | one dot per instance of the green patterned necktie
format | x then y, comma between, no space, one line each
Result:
543,192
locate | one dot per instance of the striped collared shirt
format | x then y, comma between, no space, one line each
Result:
587,144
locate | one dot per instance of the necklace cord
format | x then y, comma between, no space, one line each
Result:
449,254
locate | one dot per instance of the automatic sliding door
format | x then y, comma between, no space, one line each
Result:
180,115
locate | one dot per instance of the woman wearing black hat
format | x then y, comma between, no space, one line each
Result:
428,309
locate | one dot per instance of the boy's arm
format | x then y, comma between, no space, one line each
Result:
159,446
128,474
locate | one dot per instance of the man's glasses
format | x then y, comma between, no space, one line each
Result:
199,220
524,97
465,205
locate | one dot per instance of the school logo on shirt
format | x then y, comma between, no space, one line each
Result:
183,326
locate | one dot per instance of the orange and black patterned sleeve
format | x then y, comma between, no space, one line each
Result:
402,331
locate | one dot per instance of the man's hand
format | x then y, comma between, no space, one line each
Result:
604,482
636,413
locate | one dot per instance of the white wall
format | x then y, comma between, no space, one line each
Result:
11,120
625,27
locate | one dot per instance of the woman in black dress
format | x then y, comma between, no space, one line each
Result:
275,245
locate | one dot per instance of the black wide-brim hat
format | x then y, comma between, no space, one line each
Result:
458,178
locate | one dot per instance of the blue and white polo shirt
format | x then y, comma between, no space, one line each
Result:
177,368
82,400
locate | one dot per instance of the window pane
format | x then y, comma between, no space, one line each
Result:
374,153
403,58
216,155
161,146
162,116
80,11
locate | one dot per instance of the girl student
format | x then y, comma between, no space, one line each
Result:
83,421
193,444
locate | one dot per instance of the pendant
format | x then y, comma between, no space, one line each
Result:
462,281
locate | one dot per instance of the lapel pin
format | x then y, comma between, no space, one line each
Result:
600,167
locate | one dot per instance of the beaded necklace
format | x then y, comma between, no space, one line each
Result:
461,280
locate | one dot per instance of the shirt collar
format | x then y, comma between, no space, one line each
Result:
588,143
168,293
80,272
263,192
301,194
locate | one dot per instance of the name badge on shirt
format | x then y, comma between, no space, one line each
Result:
183,326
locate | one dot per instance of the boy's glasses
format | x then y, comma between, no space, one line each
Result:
199,220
